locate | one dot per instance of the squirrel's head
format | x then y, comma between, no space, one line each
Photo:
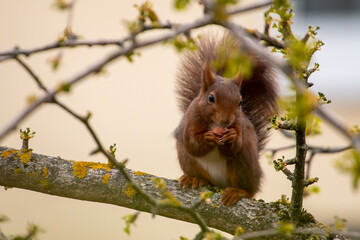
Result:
220,98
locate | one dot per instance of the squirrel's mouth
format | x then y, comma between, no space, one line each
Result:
215,125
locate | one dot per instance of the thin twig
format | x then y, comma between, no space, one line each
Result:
71,43
288,173
325,150
249,8
271,41
322,150
32,73
71,13
275,150
310,181
313,151
308,164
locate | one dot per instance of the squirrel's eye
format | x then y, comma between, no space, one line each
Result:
211,98
241,102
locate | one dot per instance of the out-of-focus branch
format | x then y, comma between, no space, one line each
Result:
313,151
120,42
271,41
96,67
32,74
78,43
252,46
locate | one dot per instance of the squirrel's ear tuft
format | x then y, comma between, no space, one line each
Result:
238,80
207,78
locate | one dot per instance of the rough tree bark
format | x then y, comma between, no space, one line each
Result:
98,183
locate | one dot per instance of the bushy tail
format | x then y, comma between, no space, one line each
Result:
259,92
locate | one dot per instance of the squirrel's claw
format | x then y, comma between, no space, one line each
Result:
185,180
212,138
233,195
230,136
195,182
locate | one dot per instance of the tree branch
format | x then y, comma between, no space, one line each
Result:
98,183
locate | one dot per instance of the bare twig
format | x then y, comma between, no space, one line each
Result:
32,73
78,43
288,173
308,164
268,39
313,151
71,13
325,150
249,8
275,150
310,181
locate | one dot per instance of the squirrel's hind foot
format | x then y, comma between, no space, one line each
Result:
195,182
233,195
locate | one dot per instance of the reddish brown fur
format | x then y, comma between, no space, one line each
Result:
245,130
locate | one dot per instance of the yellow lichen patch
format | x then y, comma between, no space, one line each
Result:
129,191
140,173
81,168
25,157
18,170
44,183
106,178
45,172
7,153
95,166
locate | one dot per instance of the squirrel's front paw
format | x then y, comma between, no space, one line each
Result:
229,136
233,195
212,138
195,182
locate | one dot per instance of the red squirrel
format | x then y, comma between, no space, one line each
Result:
223,128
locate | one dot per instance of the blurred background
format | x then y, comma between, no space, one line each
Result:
133,105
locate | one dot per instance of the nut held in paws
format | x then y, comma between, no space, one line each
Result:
218,130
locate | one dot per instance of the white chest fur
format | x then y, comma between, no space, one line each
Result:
215,164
